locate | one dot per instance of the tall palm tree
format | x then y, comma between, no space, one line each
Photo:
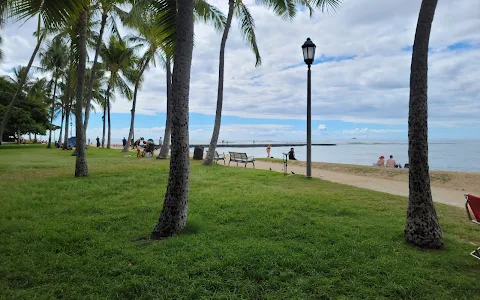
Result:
168,123
53,13
54,59
107,8
173,217
119,59
286,9
422,228
81,166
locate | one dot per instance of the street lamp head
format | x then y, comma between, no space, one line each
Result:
308,51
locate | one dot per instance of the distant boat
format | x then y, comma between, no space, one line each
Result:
354,138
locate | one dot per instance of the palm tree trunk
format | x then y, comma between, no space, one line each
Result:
134,102
221,70
67,118
20,87
104,114
173,217
51,113
81,166
61,124
109,124
92,77
168,123
422,228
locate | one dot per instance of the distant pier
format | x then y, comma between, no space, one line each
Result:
225,145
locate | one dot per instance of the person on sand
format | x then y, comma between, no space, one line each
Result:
291,154
268,150
381,161
124,141
391,163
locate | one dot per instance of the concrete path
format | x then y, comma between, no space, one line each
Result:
440,195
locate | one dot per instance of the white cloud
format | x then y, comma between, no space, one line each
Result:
363,131
322,127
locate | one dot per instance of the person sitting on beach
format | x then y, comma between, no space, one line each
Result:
391,163
381,161
268,150
291,154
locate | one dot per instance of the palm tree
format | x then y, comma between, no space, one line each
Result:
81,166
108,7
173,217
286,9
54,59
54,14
422,228
168,124
119,59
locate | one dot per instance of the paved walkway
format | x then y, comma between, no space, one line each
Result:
440,195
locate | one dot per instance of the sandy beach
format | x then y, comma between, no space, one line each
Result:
447,187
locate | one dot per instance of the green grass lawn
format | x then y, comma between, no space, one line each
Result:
251,234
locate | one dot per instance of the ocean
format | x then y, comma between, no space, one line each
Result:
443,155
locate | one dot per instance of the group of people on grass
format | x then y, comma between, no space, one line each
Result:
390,163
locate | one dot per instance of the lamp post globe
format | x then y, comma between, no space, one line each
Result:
308,49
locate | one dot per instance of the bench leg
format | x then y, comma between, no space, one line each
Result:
224,162
229,162
237,163
245,165
253,164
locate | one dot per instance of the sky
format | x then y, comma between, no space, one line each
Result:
360,77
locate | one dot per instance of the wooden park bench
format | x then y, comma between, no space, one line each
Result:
241,158
218,157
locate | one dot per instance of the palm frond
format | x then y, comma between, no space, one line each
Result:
209,14
284,8
247,29
54,13
123,87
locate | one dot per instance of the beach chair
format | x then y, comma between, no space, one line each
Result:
473,205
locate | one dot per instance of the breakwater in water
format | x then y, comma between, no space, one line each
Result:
260,145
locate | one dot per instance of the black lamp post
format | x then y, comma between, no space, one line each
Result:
309,56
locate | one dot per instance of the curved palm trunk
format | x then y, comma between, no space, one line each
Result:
81,166
61,125
173,217
422,227
168,124
94,66
221,70
67,118
134,102
51,113
3,124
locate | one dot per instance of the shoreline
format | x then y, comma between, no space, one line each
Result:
467,182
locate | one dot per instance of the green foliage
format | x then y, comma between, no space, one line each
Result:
251,234
30,114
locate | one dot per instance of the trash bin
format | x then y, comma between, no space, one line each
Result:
198,153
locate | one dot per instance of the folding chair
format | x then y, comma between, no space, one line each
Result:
473,205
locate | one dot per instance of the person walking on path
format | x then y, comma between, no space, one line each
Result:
98,142
124,141
268,150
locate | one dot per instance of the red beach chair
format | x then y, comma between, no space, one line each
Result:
473,205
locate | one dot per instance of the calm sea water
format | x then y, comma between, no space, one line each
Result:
448,155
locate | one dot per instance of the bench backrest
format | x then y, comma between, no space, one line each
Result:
474,203
238,155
